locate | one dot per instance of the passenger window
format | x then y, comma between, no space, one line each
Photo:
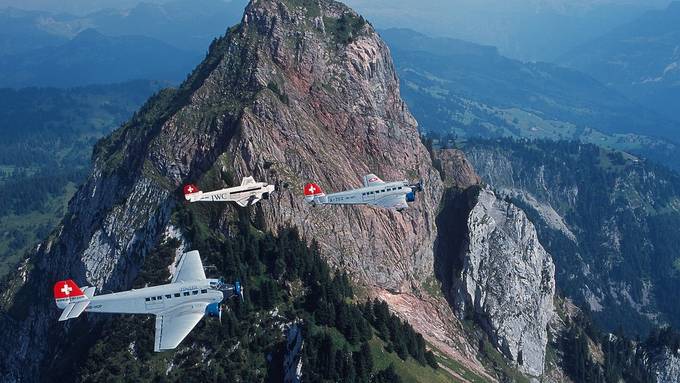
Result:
195,292
177,295
168,296
159,298
204,291
382,191
186,294
153,298
148,299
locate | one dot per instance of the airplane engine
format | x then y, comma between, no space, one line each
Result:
238,290
214,310
411,196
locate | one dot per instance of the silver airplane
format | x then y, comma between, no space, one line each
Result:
248,193
376,192
178,305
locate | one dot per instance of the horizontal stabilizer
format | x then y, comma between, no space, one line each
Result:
73,310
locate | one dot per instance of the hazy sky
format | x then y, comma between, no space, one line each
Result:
383,7
525,29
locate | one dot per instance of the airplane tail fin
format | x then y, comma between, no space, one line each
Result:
71,298
313,193
190,189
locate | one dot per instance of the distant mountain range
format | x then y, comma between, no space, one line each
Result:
526,30
148,41
469,90
641,59
189,25
92,58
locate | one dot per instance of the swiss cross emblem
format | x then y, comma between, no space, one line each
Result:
312,189
190,189
66,289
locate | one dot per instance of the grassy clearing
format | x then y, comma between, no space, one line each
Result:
412,371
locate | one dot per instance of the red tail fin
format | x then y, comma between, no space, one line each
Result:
191,189
312,189
65,290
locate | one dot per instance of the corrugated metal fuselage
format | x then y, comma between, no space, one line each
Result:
156,299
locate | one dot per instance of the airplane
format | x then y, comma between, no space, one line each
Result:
178,305
248,193
376,192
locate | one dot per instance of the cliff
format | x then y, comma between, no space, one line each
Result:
608,219
492,267
507,281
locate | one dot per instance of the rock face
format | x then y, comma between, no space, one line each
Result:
456,170
665,366
293,94
337,116
608,219
507,281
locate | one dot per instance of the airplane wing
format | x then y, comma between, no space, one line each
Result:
372,180
394,202
247,201
247,181
73,310
190,268
174,325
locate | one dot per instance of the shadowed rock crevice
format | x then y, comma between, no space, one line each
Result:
452,227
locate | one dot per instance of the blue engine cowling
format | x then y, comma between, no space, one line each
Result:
213,310
237,288
411,196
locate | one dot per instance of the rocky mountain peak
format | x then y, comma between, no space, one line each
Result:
300,91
